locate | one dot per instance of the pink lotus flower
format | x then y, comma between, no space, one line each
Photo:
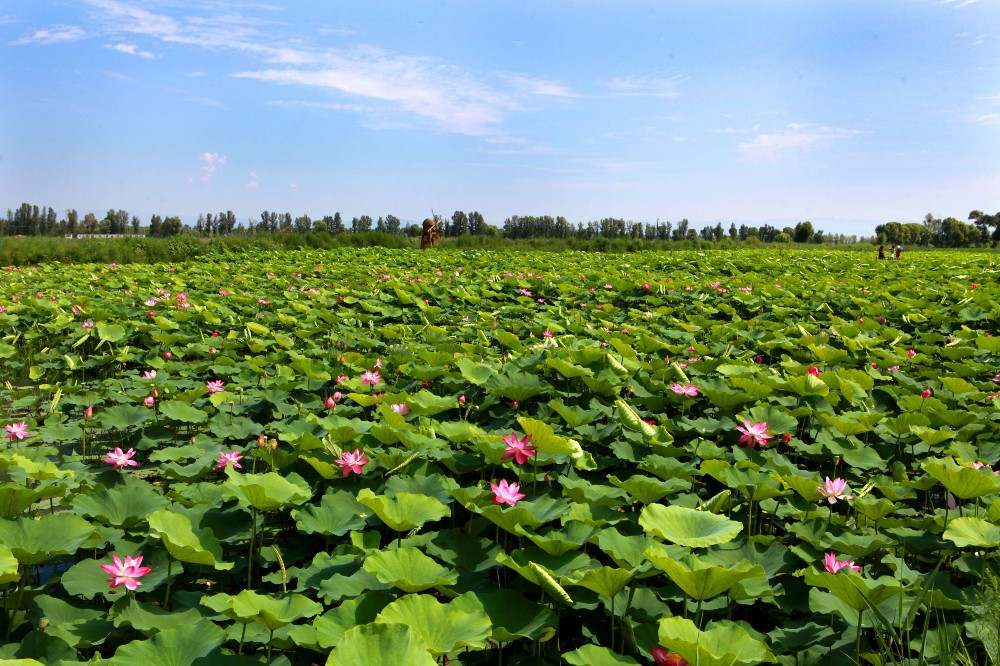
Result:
214,387
548,333
663,657
505,493
911,353
352,462
148,401
149,374
834,490
227,457
833,565
88,413
88,324
926,393
17,430
330,403
754,433
370,377
126,573
813,370
401,408
119,458
689,390
518,449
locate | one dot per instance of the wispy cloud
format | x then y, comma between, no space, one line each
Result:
398,89
651,85
211,163
991,118
254,181
9,18
53,35
961,3
131,49
795,138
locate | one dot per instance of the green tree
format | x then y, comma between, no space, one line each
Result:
803,232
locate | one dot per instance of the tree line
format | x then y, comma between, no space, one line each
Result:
983,231
32,220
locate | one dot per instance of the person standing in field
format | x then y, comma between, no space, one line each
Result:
899,252
881,251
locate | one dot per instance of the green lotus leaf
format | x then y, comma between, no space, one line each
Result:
849,423
872,508
47,648
404,511
186,543
547,442
110,332
721,644
606,581
35,541
631,420
409,569
573,536
963,482
380,644
123,417
443,627
931,436
330,626
340,586
123,505
511,615
177,410
852,589
688,527
971,531
267,611
79,627
337,514
425,403
595,655
628,552
9,571
40,469
150,618
807,384
266,492
180,646
15,497
343,430
699,579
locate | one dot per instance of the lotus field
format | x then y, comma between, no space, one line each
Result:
368,457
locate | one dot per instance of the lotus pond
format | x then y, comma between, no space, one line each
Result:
391,457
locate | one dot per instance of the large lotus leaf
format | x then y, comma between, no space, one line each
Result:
9,571
15,497
628,552
47,648
35,541
722,644
184,542
337,514
343,430
110,332
330,626
36,469
177,410
573,536
123,505
266,492
123,417
688,527
807,384
269,612
404,511
149,618
180,646
443,627
340,586
606,581
381,645
700,579
971,531
527,513
79,627
425,403
595,655
409,569
964,482
511,615
548,443
852,589
647,489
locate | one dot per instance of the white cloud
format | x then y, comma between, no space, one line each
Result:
990,118
254,181
797,137
963,3
643,86
131,49
54,35
211,163
416,88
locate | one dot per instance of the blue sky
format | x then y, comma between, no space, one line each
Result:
846,113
